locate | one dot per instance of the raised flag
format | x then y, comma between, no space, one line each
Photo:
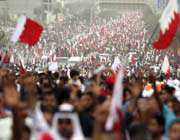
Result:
113,120
22,69
169,22
27,31
116,66
166,67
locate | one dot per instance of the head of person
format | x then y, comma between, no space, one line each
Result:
167,93
49,102
66,123
64,95
174,105
156,125
174,130
136,88
74,74
63,80
87,100
65,127
155,103
139,131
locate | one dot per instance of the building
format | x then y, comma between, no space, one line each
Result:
19,7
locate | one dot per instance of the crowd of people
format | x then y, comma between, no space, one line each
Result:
73,103
126,36
69,106
77,37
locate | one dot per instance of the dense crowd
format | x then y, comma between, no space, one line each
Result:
126,36
73,103
69,106
79,38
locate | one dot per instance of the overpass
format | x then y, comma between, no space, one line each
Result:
151,3
155,7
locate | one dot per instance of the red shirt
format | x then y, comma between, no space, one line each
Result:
6,59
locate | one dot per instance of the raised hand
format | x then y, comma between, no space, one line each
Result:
11,96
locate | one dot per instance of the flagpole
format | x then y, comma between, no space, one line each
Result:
153,33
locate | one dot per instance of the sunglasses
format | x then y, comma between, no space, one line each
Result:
64,121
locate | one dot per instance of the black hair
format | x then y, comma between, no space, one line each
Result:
169,89
74,73
63,95
139,131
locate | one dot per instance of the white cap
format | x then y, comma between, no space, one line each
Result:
66,107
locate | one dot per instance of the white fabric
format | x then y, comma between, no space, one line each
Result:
66,107
175,84
66,112
19,29
116,101
12,59
77,135
18,87
116,64
99,69
168,15
53,67
165,65
147,93
170,83
5,127
39,122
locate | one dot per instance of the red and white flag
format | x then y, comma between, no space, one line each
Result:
166,67
168,25
27,31
22,69
116,66
114,118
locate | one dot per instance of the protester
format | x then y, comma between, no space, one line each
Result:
41,99
36,113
